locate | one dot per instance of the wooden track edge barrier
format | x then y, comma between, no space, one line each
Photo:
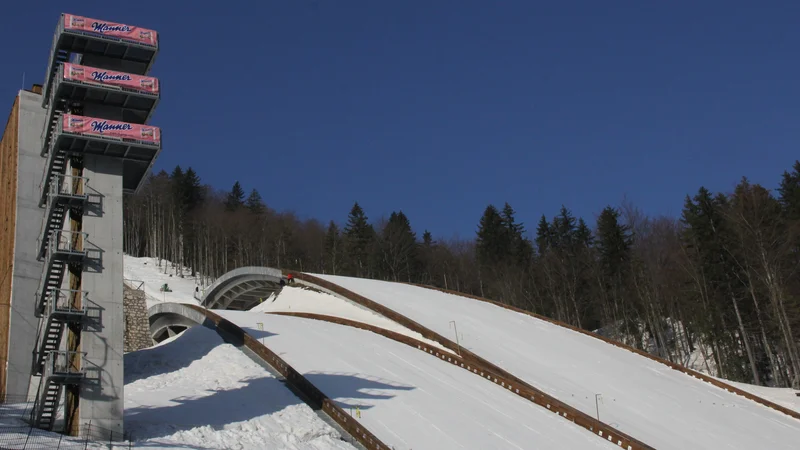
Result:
348,423
690,372
478,365
527,392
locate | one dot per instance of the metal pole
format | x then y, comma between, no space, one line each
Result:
597,405
456,331
29,436
261,328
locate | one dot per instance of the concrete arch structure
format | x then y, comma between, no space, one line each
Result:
169,319
242,288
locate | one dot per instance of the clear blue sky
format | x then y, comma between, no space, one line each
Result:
441,107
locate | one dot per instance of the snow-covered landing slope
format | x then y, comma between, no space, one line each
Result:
786,397
305,300
410,399
643,398
195,391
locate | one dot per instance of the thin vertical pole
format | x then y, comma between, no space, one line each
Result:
458,344
597,405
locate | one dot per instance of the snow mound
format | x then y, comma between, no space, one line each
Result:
199,392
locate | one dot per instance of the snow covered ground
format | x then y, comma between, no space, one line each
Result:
195,391
300,299
410,399
146,270
785,397
663,407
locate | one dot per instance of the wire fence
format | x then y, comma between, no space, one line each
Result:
16,432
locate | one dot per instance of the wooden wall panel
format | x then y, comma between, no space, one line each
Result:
8,206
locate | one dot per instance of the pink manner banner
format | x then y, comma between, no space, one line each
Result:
74,72
110,128
119,30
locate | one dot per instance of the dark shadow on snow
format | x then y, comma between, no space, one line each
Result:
358,391
258,397
188,347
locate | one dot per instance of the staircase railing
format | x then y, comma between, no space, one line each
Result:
66,241
64,363
53,57
66,185
53,114
63,301
60,186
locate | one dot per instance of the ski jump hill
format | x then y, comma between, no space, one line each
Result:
378,360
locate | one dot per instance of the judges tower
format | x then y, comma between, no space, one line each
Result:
98,98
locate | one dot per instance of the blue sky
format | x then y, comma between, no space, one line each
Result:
441,107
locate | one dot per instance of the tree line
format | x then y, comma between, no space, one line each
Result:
716,288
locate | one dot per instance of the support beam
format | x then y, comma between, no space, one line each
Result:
102,395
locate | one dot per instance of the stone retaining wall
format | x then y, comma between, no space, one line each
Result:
137,323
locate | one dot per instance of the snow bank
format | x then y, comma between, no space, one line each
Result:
786,397
408,398
196,391
302,299
643,398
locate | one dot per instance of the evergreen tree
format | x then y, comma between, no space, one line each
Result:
520,250
359,235
563,230
492,243
544,237
192,190
427,240
614,241
583,235
235,199
255,204
399,247
789,192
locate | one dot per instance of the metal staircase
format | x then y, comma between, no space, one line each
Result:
64,306
61,368
63,248
65,192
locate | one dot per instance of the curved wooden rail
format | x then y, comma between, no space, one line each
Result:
473,363
349,424
690,372
528,393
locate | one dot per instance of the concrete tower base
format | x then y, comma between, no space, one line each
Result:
102,392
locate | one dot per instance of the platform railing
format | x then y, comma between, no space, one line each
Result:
64,363
59,78
63,301
47,174
66,241
66,185
48,79
52,113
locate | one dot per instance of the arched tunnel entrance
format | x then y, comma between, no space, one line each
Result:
239,289
242,288
170,319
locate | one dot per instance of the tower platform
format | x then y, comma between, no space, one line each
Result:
101,44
